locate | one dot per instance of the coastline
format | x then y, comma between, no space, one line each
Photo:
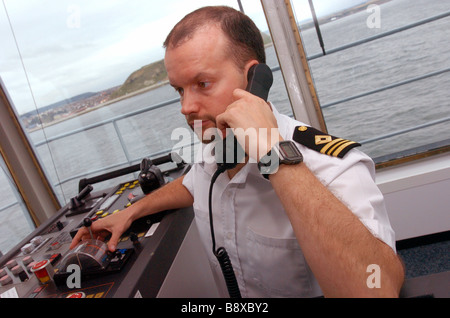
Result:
109,102
112,101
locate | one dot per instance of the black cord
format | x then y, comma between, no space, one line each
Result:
221,254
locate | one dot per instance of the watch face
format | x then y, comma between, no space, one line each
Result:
285,152
288,150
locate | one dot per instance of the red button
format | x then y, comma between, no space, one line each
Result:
77,295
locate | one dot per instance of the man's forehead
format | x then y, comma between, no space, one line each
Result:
206,43
204,31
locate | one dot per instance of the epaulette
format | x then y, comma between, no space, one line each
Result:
323,143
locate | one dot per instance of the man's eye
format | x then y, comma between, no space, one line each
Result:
179,90
203,84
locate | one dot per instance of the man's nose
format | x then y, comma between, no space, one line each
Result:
189,104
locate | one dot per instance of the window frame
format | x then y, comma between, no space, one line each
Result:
23,165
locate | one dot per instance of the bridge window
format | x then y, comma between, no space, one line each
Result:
381,71
88,84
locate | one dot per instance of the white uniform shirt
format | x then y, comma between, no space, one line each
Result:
250,222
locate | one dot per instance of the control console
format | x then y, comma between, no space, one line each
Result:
42,266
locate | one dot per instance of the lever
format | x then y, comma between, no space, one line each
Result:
87,222
135,239
83,193
78,201
151,177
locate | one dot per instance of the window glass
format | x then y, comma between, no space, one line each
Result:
88,81
390,93
15,222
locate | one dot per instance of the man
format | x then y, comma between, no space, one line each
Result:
309,228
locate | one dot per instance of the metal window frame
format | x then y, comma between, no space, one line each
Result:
293,63
23,165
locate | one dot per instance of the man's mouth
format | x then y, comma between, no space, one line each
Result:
201,124
205,129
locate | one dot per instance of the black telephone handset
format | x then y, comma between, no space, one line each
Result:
260,80
230,153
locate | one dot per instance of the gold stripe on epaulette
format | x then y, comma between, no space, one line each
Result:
329,152
339,150
331,143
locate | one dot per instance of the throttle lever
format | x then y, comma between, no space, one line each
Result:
83,193
87,222
78,201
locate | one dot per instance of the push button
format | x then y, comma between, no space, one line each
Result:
11,263
5,280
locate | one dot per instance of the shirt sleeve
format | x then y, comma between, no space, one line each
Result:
353,182
188,180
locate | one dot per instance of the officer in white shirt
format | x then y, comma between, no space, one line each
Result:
250,219
304,229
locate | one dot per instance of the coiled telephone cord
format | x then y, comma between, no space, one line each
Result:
221,254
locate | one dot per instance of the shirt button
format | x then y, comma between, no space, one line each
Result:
229,235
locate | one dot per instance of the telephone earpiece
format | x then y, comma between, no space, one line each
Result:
229,153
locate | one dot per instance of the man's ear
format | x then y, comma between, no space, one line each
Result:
247,67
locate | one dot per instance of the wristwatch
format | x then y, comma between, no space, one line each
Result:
283,152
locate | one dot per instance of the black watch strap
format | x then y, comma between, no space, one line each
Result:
283,152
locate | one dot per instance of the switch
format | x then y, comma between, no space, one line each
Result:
27,248
5,280
55,245
59,225
27,260
37,240
11,263
16,269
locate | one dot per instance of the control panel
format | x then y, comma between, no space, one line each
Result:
42,266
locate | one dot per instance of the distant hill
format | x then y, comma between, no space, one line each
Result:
146,76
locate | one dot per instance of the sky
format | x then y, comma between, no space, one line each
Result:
61,48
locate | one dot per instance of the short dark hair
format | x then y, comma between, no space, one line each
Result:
245,38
